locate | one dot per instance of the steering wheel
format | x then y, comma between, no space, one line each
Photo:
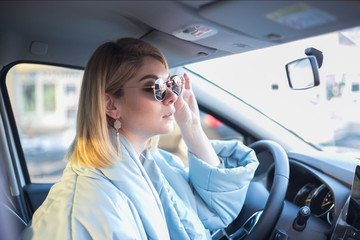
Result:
258,224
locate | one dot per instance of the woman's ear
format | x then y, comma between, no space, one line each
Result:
112,109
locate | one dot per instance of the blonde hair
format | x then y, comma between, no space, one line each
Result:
109,68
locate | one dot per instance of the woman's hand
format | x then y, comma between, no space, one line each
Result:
186,108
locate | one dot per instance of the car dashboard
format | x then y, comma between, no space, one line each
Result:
326,196
311,192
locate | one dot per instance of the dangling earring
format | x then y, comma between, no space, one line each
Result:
117,126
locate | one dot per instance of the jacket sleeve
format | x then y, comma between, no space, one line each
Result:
221,191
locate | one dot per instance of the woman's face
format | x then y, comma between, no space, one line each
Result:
142,116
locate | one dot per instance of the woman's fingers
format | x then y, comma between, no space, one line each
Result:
187,82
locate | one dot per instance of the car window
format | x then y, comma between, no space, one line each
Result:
44,101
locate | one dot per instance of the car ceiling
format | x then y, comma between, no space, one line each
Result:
67,32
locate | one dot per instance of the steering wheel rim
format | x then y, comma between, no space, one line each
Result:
274,204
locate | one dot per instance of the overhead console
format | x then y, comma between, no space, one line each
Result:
179,51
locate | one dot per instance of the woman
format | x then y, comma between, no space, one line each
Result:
118,185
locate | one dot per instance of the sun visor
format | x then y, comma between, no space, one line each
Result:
282,21
178,51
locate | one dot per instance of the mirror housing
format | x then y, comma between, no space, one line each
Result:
303,73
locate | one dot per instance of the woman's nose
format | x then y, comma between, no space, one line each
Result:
170,96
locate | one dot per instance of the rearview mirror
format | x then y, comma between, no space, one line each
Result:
303,73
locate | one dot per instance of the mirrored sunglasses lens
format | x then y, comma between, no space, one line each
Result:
176,85
159,89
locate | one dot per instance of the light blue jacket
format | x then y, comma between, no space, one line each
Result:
153,197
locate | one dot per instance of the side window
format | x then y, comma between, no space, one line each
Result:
44,101
214,129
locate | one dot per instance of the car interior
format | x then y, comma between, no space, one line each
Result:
298,191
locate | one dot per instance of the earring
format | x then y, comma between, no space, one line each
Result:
117,126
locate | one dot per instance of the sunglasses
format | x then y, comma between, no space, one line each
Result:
175,83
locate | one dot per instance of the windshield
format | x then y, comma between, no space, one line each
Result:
327,116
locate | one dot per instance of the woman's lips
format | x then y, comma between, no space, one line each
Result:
169,115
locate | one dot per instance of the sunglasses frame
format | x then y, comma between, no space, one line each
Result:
168,84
